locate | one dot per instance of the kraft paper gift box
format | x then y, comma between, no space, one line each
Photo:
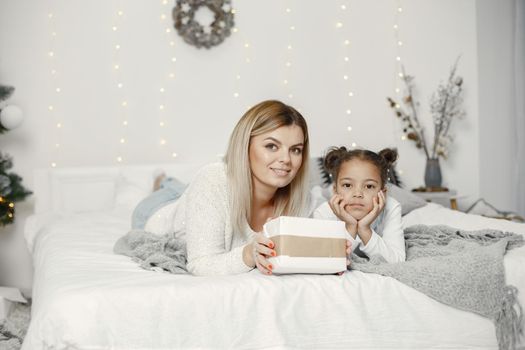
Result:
306,245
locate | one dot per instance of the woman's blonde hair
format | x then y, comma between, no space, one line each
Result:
262,118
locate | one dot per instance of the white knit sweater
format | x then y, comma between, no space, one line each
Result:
201,216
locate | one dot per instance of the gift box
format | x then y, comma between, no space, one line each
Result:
306,245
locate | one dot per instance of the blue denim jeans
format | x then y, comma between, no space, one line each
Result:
170,190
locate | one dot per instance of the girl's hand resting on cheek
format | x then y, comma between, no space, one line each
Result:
338,204
379,204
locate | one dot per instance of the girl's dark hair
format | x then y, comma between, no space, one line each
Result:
383,160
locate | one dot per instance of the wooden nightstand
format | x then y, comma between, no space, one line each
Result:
438,196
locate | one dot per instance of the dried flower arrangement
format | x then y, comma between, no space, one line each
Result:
445,105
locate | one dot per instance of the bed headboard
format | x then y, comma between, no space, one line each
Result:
84,189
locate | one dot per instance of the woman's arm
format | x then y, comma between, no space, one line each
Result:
209,235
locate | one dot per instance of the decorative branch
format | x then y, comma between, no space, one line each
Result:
445,105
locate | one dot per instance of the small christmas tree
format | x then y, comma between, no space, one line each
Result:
11,189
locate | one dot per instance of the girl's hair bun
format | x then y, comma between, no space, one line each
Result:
389,155
333,158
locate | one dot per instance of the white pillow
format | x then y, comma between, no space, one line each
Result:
83,190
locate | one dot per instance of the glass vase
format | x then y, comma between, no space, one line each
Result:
433,173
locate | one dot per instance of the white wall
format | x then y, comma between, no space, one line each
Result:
200,109
199,104
497,108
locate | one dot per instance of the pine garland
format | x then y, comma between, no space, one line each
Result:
11,189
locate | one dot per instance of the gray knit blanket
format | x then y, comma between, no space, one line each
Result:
463,269
153,252
14,328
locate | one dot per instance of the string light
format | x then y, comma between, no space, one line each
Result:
166,82
286,81
117,33
398,64
246,60
342,33
52,107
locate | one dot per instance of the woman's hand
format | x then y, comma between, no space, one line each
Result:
338,204
348,253
379,204
260,249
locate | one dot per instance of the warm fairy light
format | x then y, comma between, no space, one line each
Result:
162,142
122,140
345,58
397,56
161,124
125,123
124,103
162,90
354,144
174,155
52,107
235,94
161,107
119,159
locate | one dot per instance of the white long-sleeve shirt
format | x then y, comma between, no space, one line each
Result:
201,216
387,238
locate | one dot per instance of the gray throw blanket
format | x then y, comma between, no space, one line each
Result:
153,252
463,269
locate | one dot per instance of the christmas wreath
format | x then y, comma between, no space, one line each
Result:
195,33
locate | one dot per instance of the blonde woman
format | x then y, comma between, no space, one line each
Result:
221,213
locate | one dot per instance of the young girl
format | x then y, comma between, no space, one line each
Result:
373,220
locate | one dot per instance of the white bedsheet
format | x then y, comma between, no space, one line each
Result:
86,297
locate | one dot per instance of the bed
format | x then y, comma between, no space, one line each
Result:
87,297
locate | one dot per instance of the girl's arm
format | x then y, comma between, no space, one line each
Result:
324,212
208,226
391,246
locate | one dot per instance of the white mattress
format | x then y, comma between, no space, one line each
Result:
86,297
